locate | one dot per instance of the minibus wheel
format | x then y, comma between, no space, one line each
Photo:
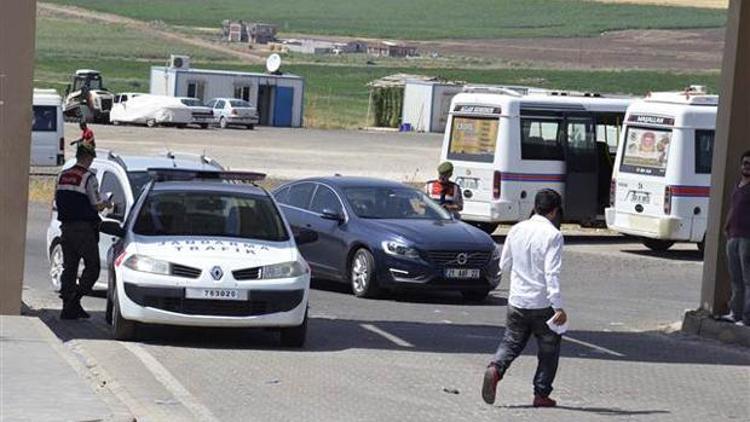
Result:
657,245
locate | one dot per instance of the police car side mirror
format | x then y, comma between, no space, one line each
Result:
112,228
304,236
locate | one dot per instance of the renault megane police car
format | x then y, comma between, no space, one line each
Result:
201,248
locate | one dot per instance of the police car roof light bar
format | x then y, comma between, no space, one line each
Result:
175,174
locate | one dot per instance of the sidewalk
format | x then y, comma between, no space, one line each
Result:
40,380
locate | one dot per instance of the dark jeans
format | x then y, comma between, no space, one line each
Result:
519,327
80,240
738,260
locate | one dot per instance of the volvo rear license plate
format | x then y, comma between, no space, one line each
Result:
215,294
467,183
461,273
640,197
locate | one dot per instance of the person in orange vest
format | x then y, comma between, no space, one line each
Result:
445,192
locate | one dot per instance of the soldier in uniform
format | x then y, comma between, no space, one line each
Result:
78,204
445,192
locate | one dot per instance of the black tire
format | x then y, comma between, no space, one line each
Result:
294,336
702,245
362,274
657,245
250,127
475,295
488,228
151,123
204,125
122,329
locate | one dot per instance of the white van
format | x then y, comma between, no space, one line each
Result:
660,186
506,146
47,139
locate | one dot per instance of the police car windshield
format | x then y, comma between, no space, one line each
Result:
210,214
380,202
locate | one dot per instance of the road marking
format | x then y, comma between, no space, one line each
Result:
593,346
201,412
394,339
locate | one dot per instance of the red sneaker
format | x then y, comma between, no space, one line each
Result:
543,401
489,385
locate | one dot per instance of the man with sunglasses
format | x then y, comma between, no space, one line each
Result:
738,246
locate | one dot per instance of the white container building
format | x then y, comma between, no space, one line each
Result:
427,104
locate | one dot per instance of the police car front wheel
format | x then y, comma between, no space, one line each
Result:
295,336
122,329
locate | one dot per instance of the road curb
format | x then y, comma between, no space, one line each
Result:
703,324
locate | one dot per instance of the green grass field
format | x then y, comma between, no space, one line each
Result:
418,19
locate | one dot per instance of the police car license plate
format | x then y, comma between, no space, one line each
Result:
461,273
215,294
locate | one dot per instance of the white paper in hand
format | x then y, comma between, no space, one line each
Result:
559,329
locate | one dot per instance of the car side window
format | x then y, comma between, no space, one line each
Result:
325,199
282,196
110,184
211,104
220,104
300,195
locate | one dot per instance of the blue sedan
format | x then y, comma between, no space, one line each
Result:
378,234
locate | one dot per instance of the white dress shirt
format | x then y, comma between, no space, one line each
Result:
533,248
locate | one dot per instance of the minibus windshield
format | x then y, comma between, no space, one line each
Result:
473,139
646,151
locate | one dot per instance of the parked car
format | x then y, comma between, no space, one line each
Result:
202,116
232,111
378,234
197,251
151,110
121,178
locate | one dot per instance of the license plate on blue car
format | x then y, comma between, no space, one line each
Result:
462,273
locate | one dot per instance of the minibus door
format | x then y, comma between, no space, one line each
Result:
582,166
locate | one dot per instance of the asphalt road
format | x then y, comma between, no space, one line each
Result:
421,356
285,153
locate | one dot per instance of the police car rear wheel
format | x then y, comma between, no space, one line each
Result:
362,275
295,336
657,245
122,329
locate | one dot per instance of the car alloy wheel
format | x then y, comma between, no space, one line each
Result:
56,266
150,122
223,123
362,277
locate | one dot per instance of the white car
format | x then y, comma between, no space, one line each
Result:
233,111
202,116
198,251
121,178
151,110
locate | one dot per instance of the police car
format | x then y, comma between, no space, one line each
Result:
121,178
209,249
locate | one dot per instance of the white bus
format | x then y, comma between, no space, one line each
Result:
660,186
506,146
47,140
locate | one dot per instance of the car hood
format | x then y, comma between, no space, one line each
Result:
206,252
432,234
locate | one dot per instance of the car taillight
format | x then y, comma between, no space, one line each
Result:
496,180
612,192
62,144
668,200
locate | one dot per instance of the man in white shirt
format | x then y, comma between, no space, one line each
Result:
533,249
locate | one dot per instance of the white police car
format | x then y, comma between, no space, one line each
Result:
201,248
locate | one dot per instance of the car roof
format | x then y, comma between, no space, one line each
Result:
353,181
143,163
208,186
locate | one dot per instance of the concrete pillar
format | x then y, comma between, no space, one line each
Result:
732,139
17,26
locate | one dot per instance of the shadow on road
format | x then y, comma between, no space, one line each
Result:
329,335
602,411
673,255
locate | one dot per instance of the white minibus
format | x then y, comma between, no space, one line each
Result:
47,140
660,186
505,146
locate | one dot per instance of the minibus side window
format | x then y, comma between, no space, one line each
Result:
646,151
540,139
704,150
44,119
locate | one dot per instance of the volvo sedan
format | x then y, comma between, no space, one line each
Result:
378,234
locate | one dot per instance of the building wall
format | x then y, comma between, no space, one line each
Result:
417,109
